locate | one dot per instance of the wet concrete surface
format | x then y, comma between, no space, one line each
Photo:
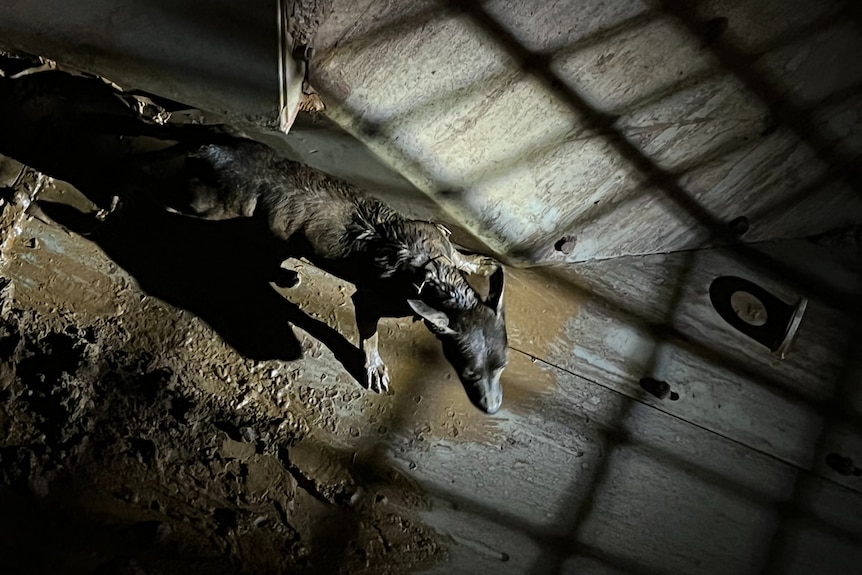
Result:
157,416
144,437
163,397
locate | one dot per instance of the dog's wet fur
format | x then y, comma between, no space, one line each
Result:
400,266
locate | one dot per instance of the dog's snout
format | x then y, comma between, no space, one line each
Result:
491,403
486,394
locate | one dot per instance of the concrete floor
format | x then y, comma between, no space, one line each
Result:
639,129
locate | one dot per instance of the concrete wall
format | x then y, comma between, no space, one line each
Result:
637,127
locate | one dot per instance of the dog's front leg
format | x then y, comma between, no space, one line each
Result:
376,374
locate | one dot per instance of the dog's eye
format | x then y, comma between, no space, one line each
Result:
471,375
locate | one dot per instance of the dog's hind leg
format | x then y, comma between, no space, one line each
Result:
367,316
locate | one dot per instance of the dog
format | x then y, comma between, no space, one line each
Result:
400,266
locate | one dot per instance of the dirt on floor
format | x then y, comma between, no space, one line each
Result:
165,409
134,440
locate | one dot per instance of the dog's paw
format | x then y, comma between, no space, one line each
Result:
376,376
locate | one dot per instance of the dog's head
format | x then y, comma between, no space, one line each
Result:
473,334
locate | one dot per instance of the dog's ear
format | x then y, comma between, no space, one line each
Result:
495,291
438,320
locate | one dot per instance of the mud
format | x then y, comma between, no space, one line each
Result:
134,439
165,409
